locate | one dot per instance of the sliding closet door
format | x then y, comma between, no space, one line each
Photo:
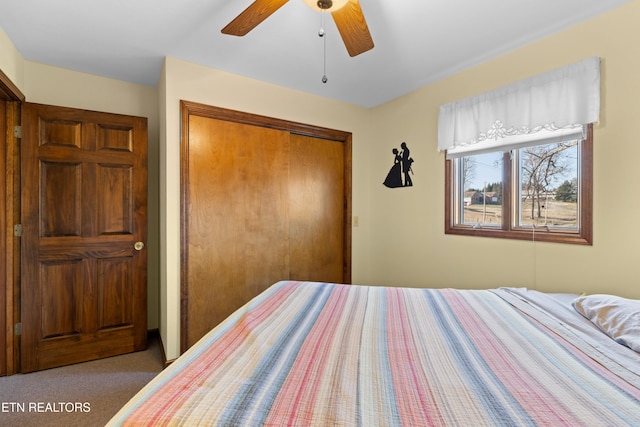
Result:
316,206
238,218
260,204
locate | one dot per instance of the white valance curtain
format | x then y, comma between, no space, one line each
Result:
553,106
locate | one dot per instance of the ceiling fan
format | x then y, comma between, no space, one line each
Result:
347,15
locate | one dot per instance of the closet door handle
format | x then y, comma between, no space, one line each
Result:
138,246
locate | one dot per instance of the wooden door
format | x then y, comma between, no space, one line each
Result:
316,186
262,203
84,224
238,217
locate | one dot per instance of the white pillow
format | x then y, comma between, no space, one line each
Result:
616,316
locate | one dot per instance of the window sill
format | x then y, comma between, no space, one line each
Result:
539,235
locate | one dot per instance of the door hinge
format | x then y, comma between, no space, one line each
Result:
18,328
17,131
17,230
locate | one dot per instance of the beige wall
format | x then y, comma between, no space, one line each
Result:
11,62
410,247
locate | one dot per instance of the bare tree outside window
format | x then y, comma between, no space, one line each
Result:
468,172
542,171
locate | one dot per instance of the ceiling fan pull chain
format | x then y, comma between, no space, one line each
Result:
321,31
322,35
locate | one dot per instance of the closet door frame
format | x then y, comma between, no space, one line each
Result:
187,109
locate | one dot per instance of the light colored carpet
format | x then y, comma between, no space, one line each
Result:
87,394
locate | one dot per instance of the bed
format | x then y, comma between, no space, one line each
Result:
323,354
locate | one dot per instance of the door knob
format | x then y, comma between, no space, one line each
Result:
138,246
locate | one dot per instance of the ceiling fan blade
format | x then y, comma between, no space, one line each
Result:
253,15
353,28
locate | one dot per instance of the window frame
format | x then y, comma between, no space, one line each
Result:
508,229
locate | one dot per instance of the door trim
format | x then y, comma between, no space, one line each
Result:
8,90
187,109
4,284
10,215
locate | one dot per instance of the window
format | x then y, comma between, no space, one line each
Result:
519,158
541,192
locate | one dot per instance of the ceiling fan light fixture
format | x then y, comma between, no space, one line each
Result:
326,5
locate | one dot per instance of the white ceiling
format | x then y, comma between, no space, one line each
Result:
416,41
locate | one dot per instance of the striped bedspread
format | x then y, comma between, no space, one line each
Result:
318,354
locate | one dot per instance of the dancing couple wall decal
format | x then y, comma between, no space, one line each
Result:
401,171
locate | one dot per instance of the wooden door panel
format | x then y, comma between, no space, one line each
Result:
61,292
115,206
115,138
60,199
77,349
83,283
116,305
60,132
316,209
238,177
